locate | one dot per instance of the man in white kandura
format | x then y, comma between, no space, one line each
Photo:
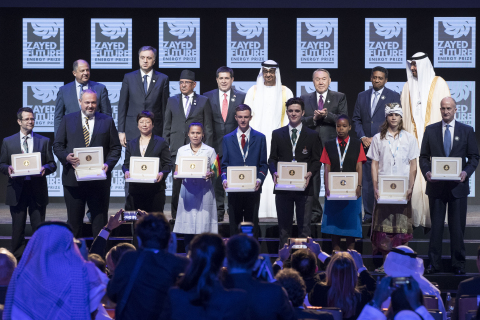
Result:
267,99
420,99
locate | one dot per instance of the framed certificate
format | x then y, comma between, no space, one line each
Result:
392,189
91,164
143,169
192,167
446,168
241,179
291,176
26,164
342,185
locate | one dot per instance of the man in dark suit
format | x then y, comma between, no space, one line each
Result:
469,287
223,100
26,192
142,278
367,118
86,128
267,301
68,97
294,142
144,89
448,138
182,110
244,147
322,109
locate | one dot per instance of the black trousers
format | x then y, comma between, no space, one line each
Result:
219,196
317,210
97,196
19,218
457,219
148,201
243,206
286,205
176,186
368,193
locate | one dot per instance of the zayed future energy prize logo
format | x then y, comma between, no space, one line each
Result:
43,43
40,96
454,42
111,43
179,43
247,42
113,89
317,43
385,42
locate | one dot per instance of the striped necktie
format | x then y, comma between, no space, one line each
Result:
86,132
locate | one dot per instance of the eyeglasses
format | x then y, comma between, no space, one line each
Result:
28,119
186,82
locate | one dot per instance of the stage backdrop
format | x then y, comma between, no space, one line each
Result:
39,46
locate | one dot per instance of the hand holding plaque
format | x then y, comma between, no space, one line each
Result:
143,170
393,189
242,179
446,168
192,167
90,164
342,185
25,164
292,176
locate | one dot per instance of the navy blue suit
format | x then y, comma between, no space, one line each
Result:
67,101
367,125
95,193
451,192
244,205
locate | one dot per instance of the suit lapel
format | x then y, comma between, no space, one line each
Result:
97,124
193,104
235,141
300,141
36,143
150,147
152,83
231,105
457,132
286,136
16,148
73,95
215,102
253,139
329,96
138,79
439,132
313,101
180,105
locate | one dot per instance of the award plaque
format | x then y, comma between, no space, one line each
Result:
291,176
91,164
143,169
26,164
241,179
392,189
342,185
446,168
192,167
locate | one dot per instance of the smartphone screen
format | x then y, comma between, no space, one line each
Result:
129,216
297,243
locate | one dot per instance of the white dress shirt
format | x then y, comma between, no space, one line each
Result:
91,124
452,131
221,97
247,138
190,101
29,142
149,77
84,87
299,129
373,96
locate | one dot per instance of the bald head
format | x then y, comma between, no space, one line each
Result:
449,100
8,263
448,108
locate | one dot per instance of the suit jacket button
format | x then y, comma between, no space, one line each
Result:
372,121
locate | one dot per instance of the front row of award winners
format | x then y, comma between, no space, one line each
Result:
224,118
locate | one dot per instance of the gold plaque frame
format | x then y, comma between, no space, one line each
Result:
291,176
26,164
91,164
241,178
342,185
192,167
446,168
143,169
392,189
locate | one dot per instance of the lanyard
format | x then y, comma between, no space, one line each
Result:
294,145
391,147
245,155
342,158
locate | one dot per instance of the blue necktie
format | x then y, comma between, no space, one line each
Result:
145,83
80,92
375,101
447,140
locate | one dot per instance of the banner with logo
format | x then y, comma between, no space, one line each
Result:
464,94
306,87
41,96
54,180
175,88
247,42
394,86
317,43
179,43
385,42
454,42
111,43
243,86
113,89
43,46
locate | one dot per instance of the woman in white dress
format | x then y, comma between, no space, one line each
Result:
197,209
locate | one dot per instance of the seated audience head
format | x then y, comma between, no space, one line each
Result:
153,231
402,261
97,261
61,274
342,278
207,252
305,262
114,255
8,263
293,284
242,253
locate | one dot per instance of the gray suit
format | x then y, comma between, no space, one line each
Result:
220,129
67,101
336,104
175,130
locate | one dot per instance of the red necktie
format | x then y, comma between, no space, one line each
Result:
224,107
320,103
243,141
